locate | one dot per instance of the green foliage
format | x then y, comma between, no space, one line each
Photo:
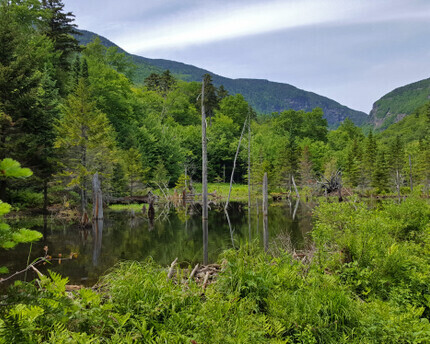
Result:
377,252
9,237
10,168
367,283
401,101
134,172
86,138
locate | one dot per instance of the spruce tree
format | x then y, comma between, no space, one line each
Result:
42,152
396,160
19,82
370,156
353,164
221,93
61,30
211,98
87,142
380,173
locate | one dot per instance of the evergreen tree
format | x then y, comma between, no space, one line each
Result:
161,84
41,147
289,162
370,156
396,160
134,171
222,93
61,31
152,82
86,139
353,165
211,98
167,82
22,52
380,172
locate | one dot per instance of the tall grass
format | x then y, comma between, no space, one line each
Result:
368,283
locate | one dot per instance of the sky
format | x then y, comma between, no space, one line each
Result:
353,51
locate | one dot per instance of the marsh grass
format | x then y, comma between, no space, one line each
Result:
368,283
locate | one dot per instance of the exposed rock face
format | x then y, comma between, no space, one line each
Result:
397,104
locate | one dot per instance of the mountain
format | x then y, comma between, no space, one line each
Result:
397,104
414,127
263,95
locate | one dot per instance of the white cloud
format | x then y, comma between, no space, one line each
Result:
204,25
210,22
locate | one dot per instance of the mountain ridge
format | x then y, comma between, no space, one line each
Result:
263,95
399,103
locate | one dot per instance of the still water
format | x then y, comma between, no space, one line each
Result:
174,232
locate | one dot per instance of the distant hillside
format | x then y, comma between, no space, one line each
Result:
399,103
263,95
414,127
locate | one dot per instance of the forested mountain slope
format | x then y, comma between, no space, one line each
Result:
263,95
414,127
397,104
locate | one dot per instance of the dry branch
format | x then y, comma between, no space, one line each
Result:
170,274
193,272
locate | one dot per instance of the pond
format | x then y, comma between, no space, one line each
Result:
174,232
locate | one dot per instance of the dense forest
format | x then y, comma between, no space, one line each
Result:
68,111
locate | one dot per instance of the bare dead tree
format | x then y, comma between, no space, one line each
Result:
295,186
265,213
249,177
234,164
97,198
204,179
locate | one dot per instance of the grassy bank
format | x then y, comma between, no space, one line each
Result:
367,283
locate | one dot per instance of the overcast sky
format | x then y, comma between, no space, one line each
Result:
353,51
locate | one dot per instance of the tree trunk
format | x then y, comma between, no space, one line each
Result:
204,180
249,178
265,213
234,165
295,186
97,198
84,178
204,159
45,196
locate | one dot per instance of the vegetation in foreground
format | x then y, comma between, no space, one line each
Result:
367,283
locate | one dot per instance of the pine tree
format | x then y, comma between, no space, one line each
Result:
211,98
134,171
289,162
221,93
19,82
41,145
61,31
396,160
353,164
380,173
161,84
370,157
87,140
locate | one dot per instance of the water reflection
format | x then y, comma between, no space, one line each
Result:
205,241
97,240
163,233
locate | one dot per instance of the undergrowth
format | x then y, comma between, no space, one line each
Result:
368,283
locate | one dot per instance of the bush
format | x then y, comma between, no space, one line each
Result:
26,198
